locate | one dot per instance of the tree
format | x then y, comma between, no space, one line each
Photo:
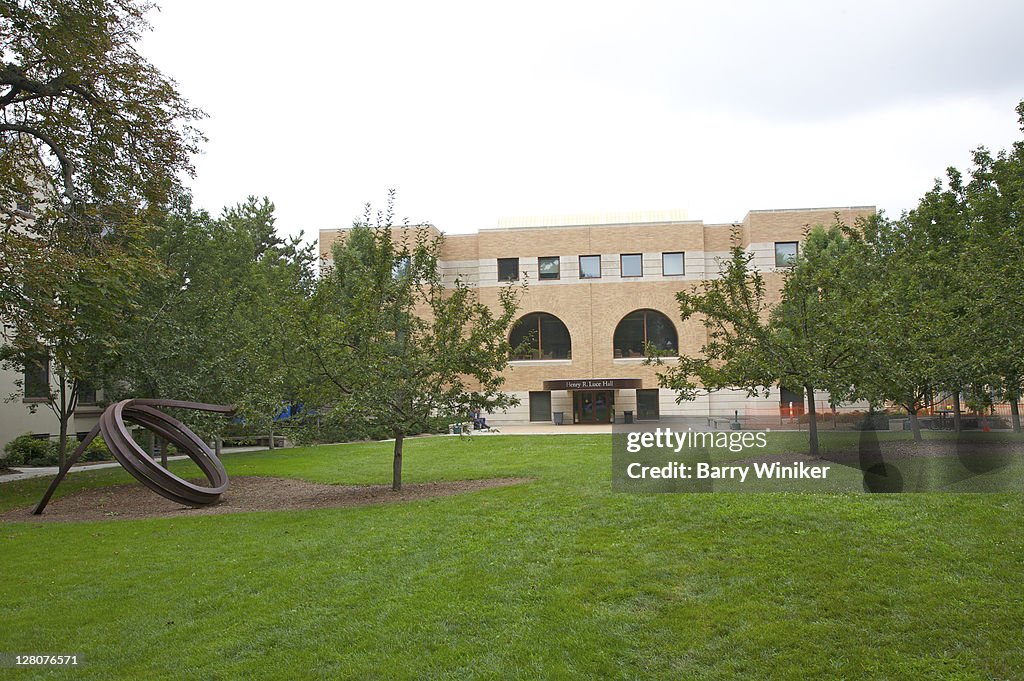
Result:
993,269
396,349
916,319
218,324
86,120
930,251
68,294
819,325
94,139
945,309
809,341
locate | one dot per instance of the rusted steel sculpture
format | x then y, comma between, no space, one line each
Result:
140,464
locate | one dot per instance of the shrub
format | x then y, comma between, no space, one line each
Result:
13,454
29,451
46,459
96,450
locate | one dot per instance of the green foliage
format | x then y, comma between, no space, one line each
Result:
915,303
219,323
96,450
818,326
993,268
394,347
889,311
946,314
93,140
734,311
67,291
83,112
29,451
809,341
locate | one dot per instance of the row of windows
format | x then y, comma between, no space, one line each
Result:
543,336
630,265
647,408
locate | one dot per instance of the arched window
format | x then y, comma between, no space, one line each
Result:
639,328
540,335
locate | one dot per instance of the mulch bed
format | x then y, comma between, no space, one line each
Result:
132,501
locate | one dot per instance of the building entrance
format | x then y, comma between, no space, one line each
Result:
593,406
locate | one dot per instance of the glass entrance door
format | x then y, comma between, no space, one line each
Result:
593,406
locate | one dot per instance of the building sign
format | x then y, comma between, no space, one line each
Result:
594,384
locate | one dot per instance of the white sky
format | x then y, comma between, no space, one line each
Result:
475,111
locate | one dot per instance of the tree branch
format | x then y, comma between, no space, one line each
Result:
65,162
58,86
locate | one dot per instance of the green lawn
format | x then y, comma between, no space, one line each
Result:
552,579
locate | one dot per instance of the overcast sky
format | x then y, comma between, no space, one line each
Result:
476,111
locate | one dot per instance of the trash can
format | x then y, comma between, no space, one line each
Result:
628,416
559,418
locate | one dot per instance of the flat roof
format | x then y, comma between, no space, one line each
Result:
594,219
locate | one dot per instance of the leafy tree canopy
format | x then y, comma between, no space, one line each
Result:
808,341
64,298
393,346
85,120
218,323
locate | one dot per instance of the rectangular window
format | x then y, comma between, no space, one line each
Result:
785,253
632,265
86,394
540,405
647,405
672,264
590,267
37,380
508,269
550,267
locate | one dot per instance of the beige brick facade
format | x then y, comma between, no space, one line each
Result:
591,309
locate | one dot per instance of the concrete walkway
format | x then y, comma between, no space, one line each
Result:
546,429
50,471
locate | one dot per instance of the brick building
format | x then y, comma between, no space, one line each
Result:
600,287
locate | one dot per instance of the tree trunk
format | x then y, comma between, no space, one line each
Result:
1015,414
812,420
63,443
915,425
64,416
956,411
163,451
271,437
396,483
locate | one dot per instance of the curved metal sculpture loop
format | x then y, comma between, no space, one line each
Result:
136,461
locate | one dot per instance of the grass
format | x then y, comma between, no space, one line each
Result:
557,578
